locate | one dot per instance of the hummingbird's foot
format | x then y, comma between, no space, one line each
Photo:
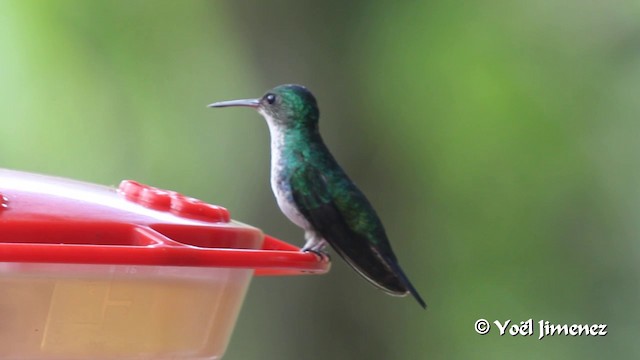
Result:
315,244
314,241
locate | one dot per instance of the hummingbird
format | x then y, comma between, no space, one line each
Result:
315,193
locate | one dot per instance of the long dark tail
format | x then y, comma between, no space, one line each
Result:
405,281
383,272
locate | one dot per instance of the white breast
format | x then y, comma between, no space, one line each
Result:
284,202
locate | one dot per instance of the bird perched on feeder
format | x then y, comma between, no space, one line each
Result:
315,193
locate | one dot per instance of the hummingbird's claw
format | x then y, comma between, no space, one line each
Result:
324,256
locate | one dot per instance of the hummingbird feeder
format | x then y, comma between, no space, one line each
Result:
93,272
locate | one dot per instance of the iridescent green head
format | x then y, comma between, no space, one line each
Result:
288,106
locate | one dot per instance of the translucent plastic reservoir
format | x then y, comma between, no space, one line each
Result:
61,311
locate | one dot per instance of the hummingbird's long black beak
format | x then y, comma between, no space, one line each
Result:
253,103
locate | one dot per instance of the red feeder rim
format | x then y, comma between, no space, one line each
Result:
45,219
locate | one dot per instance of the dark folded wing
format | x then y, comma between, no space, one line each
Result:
344,218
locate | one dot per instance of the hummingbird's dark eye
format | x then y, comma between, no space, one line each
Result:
271,98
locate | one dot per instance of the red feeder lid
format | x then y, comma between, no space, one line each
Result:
46,219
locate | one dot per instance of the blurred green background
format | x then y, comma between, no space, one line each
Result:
497,139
